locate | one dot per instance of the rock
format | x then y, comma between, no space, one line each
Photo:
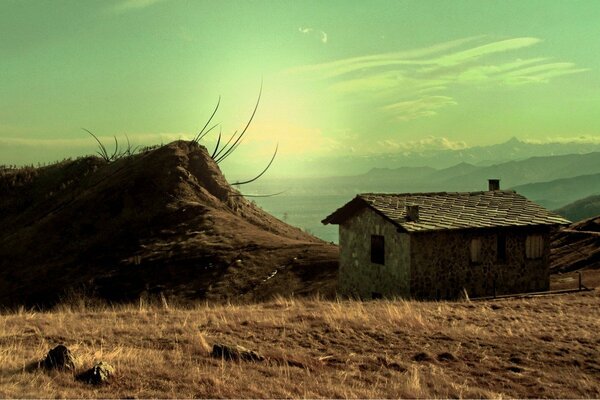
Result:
236,352
446,356
98,374
422,357
59,357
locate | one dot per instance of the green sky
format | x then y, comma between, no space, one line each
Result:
340,77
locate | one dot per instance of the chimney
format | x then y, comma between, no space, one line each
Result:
412,213
494,184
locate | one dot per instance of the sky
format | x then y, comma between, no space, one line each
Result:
338,77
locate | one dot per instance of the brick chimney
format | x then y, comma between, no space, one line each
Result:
412,213
494,184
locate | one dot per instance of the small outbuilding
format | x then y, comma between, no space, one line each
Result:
439,245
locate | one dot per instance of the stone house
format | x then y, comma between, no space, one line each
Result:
437,245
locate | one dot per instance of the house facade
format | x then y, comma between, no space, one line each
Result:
438,245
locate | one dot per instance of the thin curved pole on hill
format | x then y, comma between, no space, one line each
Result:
115,153
217,146
200,135
226,144
207,132
232,148
102,153
264,170
256,195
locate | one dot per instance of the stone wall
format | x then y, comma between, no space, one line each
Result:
358,277
441,264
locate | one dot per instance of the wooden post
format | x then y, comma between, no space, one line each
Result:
580,285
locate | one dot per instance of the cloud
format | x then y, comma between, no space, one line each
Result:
323,36
422,107
135,139
541,73
315,32
565,139
427,143
131,5
338,68
416,83
475,53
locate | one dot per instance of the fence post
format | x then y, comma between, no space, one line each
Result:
579,273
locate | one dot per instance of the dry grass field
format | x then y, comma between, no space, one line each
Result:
545,347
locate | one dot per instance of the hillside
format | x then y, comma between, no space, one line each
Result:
560,192
161,222
544,347
581,209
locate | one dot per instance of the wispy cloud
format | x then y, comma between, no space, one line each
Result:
475,53
124,6
315,32
425,106
334,69
542,73
416,83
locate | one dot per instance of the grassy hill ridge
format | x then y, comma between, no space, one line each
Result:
162,221
557,193
581,209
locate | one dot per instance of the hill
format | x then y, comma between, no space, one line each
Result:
544,347
164,221
560,192
581,209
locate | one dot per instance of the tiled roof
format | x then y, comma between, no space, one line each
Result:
441,211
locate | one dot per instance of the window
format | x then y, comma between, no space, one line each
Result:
501,248
377,249
475,251
534,246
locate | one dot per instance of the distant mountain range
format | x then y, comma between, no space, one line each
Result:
564,178
557,193
511,150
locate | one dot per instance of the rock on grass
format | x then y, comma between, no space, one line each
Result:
59,357
235,352
98,374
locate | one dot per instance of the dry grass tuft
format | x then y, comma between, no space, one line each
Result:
542,347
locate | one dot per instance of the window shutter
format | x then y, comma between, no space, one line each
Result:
475,250
534,246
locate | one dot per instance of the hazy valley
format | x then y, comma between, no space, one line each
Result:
554,181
